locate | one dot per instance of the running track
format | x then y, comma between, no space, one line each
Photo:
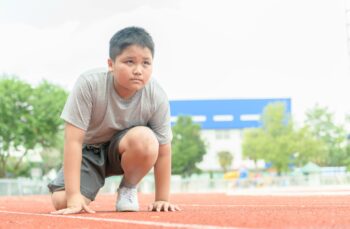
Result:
312,210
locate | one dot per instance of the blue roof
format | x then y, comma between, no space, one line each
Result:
224,113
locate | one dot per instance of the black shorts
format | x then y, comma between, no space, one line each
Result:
98,162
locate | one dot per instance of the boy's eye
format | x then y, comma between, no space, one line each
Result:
147,63
129,62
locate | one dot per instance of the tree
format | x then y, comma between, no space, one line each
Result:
278,142
29,118
347,149
321,123
47,107
271,142
15,109
225,160
21,171
254,143
53,156
188,147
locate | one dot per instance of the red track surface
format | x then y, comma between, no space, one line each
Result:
199,211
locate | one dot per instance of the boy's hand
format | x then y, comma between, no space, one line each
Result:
163,206
75,204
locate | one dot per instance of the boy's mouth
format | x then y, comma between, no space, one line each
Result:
136,80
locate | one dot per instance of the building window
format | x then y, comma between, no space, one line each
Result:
199,118
222,134
223,118
250,117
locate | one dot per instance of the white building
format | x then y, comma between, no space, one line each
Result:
222,123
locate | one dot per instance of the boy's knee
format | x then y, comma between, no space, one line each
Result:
144,141
59,200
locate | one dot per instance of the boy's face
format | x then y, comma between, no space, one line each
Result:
131,69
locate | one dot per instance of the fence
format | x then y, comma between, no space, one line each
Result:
22,186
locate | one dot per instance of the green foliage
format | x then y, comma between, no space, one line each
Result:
277,141
52,159
225,159
308,148
276,121
271,141
15,109
21,171
29,117
321,123
53,156
254,143
187,146
47,108
347,160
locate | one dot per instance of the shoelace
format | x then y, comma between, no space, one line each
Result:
127,193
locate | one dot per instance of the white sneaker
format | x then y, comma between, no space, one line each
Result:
127,200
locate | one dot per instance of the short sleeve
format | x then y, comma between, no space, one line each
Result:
77,110
160,121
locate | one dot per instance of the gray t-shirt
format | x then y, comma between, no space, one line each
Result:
94,106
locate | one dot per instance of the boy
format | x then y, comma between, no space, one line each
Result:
117,123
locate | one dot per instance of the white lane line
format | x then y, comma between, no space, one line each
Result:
265,205
137,222
289,193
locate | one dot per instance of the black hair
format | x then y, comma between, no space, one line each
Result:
129,36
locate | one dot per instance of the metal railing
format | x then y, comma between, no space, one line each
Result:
25,186
22,186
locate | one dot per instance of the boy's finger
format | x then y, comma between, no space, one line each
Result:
57,212
159,207
166,207
150,207
88,209
177,208
72,210
65,211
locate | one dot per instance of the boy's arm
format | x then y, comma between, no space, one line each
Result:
162,175
73,140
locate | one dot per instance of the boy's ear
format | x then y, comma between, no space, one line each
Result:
110,64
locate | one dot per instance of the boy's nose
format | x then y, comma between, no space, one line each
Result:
137,70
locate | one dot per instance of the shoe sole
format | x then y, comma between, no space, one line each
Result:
127,210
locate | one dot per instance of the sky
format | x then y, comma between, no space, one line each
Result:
205,49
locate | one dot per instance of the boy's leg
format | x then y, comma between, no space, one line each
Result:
133,152
92,176
59,200
139,149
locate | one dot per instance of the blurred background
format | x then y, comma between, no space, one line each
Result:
258,89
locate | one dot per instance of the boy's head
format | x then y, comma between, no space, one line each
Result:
129,36
131,57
